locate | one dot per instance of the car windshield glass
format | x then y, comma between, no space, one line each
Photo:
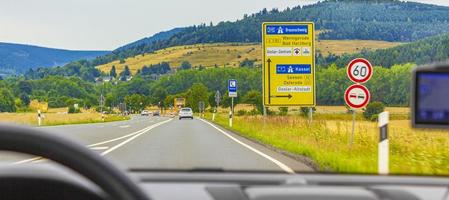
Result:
284,86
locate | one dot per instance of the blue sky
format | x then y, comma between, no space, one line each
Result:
108,24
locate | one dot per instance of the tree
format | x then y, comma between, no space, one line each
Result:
254,98
198,92
113,73
126,72
25,87
7,103
373,110
186,65
136,102
159,95
25,99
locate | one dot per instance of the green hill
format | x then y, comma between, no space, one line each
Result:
428,50
387,20
19,58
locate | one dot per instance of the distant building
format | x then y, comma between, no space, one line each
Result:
104,79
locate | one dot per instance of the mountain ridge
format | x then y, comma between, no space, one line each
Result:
18,58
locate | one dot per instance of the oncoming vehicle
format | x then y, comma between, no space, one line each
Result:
145,113
216,100
156,113
185,113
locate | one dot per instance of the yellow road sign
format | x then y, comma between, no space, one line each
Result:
289,63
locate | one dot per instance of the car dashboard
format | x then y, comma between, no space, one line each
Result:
45,181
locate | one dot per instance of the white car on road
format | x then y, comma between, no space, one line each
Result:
186,113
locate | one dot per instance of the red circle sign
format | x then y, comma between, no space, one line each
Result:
357,96
359,70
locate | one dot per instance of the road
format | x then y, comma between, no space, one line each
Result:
167,143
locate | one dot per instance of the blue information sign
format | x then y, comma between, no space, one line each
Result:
232,88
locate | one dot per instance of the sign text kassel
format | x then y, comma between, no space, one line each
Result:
289,64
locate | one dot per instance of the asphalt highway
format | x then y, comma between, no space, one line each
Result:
160,143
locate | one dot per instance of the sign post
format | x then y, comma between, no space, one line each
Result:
39,117
232,91
357,96
289,64
217,103
383,152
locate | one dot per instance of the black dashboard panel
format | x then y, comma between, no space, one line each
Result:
26,188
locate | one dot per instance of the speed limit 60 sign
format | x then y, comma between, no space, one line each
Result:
359,70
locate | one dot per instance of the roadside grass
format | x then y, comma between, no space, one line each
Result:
58,117
231,54
326,141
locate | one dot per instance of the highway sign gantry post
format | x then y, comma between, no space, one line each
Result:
232,92
289,64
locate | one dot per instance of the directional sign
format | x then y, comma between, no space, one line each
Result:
357,96
232,88
359,70
289,64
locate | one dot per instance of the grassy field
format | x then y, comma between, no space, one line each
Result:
57,117
231,54
326,141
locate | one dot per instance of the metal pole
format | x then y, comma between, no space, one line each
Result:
310,115
231,113
351,140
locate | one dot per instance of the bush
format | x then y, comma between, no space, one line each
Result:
305,110
72,109
373,110
283,111
254,112
241,112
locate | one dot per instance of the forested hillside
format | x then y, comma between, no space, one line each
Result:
18,58
388,20
428,50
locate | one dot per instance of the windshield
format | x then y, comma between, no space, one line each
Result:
268,86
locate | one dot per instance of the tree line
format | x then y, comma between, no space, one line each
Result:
388,85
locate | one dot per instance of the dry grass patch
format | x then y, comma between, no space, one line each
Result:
231,54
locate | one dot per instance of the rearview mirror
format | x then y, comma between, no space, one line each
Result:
430,96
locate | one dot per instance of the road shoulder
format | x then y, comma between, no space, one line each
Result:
298,163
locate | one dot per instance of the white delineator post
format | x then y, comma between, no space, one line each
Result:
383,154
39,118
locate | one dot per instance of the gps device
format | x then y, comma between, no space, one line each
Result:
430,96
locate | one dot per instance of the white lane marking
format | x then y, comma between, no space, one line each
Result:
99,148
125,126
133,137
40,159
277,162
